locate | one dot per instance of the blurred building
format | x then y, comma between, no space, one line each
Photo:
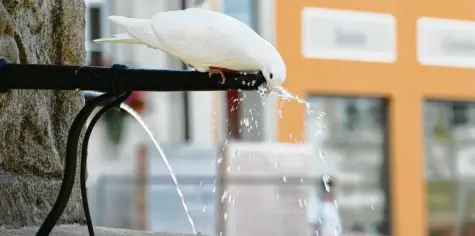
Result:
381,82
395,82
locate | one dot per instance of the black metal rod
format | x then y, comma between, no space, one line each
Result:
82,176
69,166
91,95
118,79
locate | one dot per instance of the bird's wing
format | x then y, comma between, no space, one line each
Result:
139,29
201,37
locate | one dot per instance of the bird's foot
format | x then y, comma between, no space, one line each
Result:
216,70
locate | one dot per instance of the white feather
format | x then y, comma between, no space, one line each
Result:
120,38
203,39
139,31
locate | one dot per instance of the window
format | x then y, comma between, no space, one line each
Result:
358,163
459,113
450,167
94,31
243,10
375,115
358,114
352,115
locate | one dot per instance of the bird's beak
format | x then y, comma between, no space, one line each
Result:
268,90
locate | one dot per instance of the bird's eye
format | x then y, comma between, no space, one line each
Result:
271,76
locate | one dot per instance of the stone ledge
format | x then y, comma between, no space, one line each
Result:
80,230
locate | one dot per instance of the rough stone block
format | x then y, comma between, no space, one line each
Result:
35,123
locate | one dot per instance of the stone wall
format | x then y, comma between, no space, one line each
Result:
35,123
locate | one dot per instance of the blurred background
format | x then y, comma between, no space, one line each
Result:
391,86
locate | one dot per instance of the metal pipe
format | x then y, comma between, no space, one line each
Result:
117,78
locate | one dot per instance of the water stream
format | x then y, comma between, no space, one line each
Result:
137,117
281,93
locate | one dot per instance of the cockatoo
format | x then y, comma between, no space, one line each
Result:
207,40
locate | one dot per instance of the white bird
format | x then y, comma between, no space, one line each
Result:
209,41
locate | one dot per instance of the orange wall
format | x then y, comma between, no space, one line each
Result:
405,83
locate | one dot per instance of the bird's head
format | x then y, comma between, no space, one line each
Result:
274,74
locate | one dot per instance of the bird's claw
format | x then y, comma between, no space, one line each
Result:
217,71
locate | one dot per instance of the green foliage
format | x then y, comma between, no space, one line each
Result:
115,119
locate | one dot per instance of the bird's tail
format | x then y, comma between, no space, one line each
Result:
139,31
119,38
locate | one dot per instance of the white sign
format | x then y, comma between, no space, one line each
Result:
348,35
446,42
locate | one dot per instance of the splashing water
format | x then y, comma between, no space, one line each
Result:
287,96
137,117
